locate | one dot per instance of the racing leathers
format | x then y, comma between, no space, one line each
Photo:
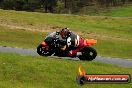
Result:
69,45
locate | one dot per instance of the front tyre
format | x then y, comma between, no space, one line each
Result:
42,51
88,54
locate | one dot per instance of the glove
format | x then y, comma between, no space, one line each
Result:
63,48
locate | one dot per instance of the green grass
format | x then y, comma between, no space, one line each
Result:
17,71
19,38
117,11
101,25
125,11
114,34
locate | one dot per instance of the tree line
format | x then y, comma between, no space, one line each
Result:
58,6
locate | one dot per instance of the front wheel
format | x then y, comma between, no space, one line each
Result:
88,54
42,51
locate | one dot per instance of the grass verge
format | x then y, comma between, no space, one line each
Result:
124,11
43,72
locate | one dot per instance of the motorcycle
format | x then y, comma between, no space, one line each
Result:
52,48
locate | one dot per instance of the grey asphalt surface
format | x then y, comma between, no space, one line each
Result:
114,61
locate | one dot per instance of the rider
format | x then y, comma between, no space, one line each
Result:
67,40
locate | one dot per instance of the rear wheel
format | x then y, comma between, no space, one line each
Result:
88,54
43,51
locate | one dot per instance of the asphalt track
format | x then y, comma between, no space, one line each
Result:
32,52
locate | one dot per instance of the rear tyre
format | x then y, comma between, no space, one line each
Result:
41,50
88,54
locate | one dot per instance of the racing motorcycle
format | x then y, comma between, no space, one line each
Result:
53,47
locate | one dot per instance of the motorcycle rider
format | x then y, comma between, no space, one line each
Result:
68,41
